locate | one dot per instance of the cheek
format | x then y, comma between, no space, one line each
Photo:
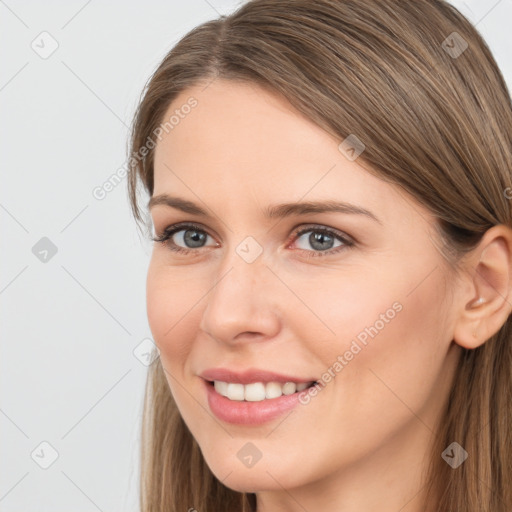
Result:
337,308
383,339
172,319
394,343
171,313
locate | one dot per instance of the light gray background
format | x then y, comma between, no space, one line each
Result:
70,325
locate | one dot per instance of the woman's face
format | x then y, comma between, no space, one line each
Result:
361,307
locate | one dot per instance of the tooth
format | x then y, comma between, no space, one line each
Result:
255,392
289,388
273,390
302,386
235,391
221,387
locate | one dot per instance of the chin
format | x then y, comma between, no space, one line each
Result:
263,476
252,482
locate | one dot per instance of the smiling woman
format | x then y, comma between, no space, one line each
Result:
330,216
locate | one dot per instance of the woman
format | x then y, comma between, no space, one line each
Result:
329,287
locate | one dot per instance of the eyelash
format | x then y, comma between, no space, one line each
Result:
168,232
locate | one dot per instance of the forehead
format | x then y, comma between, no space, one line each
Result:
241,144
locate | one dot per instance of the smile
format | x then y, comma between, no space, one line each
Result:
248,404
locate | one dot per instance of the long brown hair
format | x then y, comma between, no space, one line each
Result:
415,81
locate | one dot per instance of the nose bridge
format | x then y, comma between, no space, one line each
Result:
240,299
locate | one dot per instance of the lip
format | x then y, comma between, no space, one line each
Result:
248,413
249,376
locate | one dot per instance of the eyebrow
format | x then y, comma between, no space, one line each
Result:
272,212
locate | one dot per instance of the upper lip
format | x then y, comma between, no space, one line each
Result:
249,376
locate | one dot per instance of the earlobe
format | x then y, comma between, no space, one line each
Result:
487,302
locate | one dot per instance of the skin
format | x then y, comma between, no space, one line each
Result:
362,442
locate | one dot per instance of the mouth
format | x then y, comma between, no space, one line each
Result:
257,391
253,396
253,403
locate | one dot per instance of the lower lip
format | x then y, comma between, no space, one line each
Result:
248,413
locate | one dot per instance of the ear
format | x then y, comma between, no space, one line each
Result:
486,301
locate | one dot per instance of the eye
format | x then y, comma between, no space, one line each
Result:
322,241
190,235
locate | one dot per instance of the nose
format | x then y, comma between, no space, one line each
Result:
243,303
